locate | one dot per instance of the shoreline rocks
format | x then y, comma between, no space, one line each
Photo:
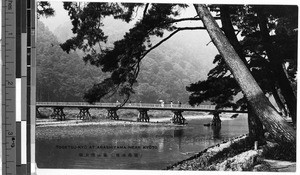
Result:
240,162
205,158
234,155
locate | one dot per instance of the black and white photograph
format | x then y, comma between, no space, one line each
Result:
170,86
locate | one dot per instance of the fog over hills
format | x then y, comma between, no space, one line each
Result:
165,72
192,47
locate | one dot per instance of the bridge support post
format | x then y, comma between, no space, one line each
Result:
58,113
112,114
38,114
143,116
178,118
84,113
216,121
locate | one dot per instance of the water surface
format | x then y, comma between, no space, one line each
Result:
129,147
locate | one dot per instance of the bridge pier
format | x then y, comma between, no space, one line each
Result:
216,121
38,114
84,113
112,114
58,113
143,116
178,118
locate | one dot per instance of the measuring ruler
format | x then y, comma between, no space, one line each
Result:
9,87
18,77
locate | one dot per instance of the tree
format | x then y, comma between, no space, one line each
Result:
275,53
246,21
274,123
64,77
44,9
123,60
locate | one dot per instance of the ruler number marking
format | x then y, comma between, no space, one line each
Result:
10,83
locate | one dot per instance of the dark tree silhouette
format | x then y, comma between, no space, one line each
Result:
44,9
261,106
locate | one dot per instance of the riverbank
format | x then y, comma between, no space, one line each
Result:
54,123
236,154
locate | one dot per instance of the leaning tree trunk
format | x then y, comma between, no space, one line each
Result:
256,131
273,122
279,103
255,126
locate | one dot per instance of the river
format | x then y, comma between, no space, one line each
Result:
130,147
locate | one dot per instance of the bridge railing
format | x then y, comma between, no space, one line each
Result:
62,103
150,105
154,106
75,104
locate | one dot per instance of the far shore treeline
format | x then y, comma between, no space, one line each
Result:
63,77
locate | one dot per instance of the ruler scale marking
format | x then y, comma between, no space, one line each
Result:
8,122
18,77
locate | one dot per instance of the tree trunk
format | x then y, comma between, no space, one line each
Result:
256,132
273,122
229,32
287,92
280,104
275,60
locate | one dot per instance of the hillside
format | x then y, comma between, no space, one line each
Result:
165,72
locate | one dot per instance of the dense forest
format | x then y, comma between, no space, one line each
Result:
60,76
163,76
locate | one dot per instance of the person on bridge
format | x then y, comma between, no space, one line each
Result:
118,103
179,104
162,103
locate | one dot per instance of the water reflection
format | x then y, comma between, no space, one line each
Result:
161,145
178,133
216,131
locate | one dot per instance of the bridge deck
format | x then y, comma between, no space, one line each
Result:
145,106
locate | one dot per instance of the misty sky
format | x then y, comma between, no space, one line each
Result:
60,17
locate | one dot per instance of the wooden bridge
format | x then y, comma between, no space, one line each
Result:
143,109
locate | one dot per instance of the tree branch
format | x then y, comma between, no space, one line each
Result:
196,18
168,37
184,19
146,8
